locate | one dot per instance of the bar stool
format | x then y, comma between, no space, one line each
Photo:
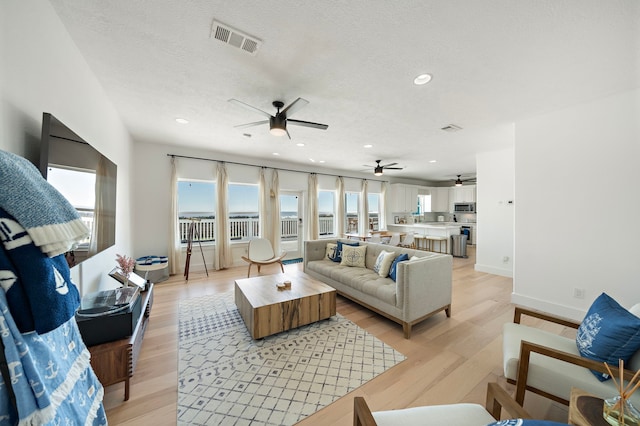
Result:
422,242
432,239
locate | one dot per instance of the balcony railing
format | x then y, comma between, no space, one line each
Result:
245,228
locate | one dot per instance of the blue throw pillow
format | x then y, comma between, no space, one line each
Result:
393,269
608,333
525,422
337,256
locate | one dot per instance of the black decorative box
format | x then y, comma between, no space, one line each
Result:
102,323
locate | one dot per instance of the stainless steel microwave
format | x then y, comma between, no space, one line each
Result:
464,208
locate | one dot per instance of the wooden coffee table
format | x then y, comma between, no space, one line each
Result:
266,310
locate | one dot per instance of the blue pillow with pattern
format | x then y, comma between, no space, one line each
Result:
337,255
525,422
608,333
393,270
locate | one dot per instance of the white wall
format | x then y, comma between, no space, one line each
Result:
495,217
43,71
577,193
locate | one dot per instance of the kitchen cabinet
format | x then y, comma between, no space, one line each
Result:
440,199
404,198
461,194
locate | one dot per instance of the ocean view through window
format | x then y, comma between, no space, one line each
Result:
197,199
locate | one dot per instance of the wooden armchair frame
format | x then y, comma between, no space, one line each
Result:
497,399
526,348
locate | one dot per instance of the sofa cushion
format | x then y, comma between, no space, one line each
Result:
330,250
337,256
383,263
608,333
454,414
353,256
393,270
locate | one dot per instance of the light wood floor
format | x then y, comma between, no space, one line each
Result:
448,359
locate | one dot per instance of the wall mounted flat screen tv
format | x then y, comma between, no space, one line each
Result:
86,178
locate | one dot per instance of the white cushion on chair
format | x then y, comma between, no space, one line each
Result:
450,415
548,374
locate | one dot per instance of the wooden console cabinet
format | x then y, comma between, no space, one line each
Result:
114,362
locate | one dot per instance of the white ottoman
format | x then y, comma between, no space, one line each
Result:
153,268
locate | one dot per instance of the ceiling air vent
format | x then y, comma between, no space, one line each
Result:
235,38
451,128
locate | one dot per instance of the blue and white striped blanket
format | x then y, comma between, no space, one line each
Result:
51,377
52,223
48,362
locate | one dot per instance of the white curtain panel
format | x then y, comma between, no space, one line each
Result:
263,205
275,212
363,215
340,207
104,214
313,221
382,207
175,249
223,257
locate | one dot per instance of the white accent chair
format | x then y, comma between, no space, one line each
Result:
408,241
375,239
394,240
550,365
260,252
462,414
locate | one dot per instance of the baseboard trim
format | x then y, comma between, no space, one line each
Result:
493,270
545,306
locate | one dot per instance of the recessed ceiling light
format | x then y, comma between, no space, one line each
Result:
299,144
433,161
368,146
182,121
312,160
276,153
422,79
321,161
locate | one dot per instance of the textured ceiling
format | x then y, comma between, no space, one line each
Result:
493,63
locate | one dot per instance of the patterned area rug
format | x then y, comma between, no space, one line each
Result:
227,378
290,261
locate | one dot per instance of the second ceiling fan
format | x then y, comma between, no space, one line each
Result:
278,122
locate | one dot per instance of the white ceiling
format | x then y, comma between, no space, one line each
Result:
493,62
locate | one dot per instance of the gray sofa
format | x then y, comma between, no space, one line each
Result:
422,287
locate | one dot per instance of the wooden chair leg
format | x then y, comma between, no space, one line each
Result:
281,267
249,271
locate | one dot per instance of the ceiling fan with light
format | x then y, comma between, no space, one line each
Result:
459,181
278,122
379,169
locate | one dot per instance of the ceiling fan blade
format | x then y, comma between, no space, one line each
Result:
294,106
308,124
288,135
252,108
393,168
390,164
255,123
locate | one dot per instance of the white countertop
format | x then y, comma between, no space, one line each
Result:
434,225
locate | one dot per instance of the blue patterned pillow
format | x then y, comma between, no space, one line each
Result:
393,269
525,422
608,333
337,256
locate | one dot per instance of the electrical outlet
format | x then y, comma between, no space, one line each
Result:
578,293
505,259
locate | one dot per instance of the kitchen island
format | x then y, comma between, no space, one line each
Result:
434,229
